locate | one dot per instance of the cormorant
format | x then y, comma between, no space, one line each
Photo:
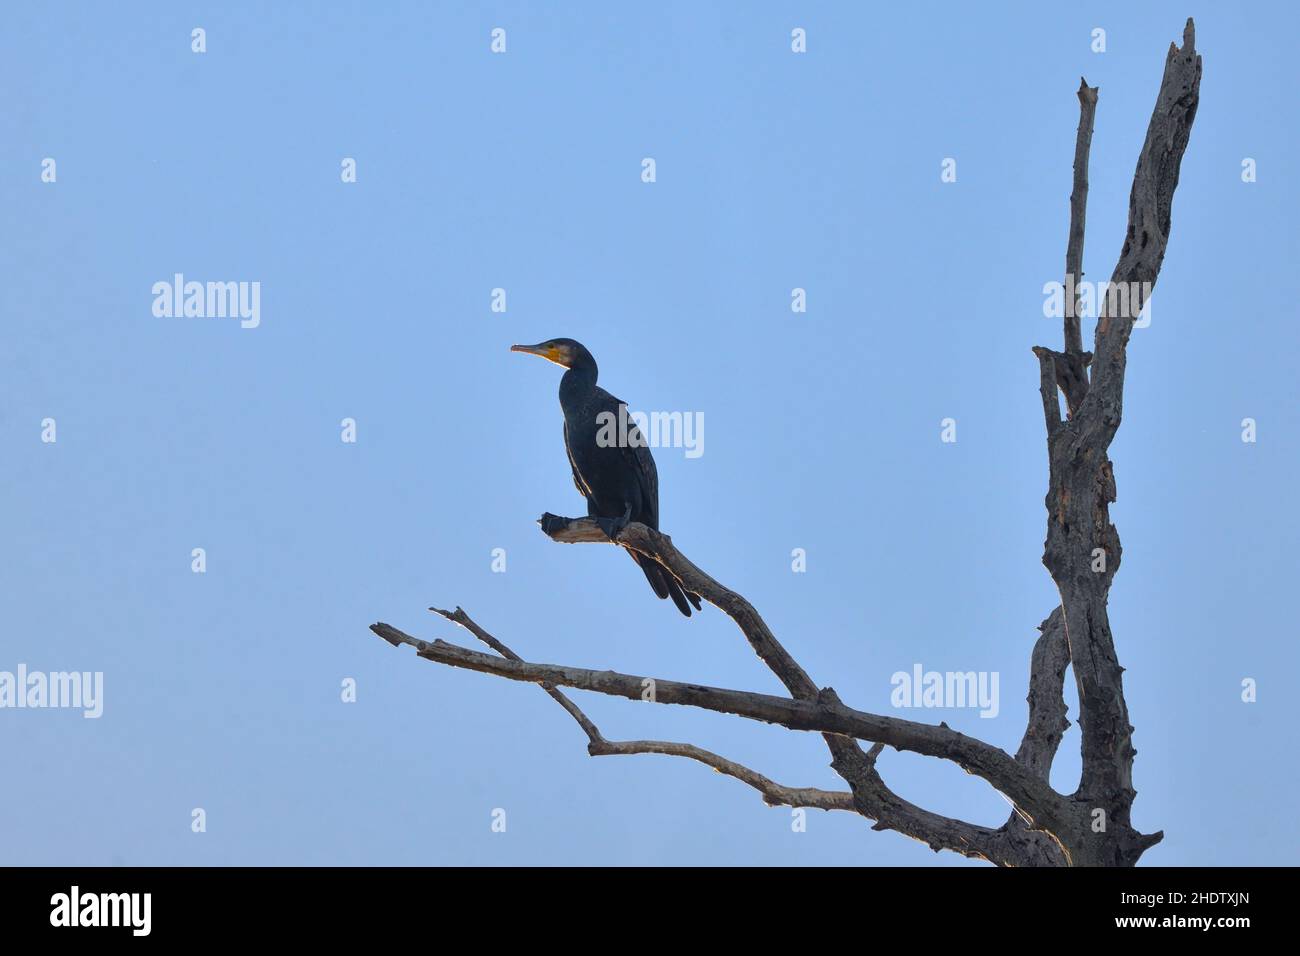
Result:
617,478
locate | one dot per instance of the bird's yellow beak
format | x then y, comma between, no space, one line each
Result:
547,351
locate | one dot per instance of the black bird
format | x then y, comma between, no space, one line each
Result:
612,465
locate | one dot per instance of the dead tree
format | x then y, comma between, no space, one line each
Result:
1090,827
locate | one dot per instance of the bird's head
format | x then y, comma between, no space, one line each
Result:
563,352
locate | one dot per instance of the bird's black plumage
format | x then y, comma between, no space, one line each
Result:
612,465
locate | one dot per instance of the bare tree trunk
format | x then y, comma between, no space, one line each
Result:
1082,550
1090,827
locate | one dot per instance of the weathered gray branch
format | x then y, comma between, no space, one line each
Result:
1047,721
1079,213
1068,370
1149,220
1048,382
773,793
871,796
826,715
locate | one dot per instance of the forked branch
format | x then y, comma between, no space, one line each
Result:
1082,550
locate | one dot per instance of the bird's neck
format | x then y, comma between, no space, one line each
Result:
577,382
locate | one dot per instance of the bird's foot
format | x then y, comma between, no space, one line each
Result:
552,524
612,527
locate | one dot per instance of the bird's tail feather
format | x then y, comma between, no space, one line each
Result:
665,585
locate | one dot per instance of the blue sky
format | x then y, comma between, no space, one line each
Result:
522,171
